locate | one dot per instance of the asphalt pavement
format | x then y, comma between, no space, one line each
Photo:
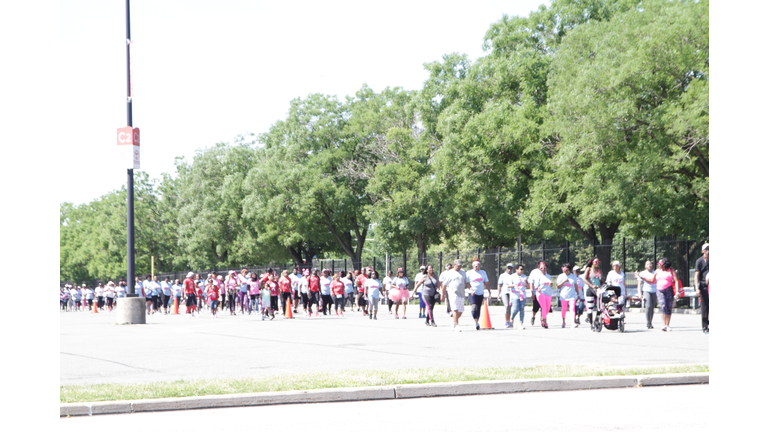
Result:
94,349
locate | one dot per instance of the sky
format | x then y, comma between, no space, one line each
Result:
205,72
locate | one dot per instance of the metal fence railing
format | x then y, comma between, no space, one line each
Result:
632,254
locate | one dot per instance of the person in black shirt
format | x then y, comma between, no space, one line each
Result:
700,283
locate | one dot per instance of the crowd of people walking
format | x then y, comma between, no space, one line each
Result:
317,292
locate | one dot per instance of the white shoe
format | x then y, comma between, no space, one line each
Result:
522,326
456,329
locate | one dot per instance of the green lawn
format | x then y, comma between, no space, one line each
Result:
350,378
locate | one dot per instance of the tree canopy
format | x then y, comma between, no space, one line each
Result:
585,120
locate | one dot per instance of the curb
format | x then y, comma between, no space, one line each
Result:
352,394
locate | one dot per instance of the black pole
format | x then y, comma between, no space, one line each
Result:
519,249
131,251
567,251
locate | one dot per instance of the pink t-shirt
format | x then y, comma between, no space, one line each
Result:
664,280
253,287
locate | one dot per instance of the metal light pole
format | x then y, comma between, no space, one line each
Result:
130,282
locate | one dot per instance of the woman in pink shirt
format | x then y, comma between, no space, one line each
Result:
665,279
337,292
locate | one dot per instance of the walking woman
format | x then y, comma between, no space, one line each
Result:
478,282
541,283
253,293
593,278
314,292
325,291
373,293
189,293
233,285
337,291
399,292
567,283
285,289
649,292
665,279
349,291
429,286
304,289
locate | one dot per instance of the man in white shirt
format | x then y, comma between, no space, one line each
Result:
454,284
295,281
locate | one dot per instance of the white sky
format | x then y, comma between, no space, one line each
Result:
204,72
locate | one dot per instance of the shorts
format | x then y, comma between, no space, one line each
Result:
214,305
456,302
361,300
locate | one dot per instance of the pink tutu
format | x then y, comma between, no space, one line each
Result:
405,295
394,295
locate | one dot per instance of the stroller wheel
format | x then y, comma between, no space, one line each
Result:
598,326
621,325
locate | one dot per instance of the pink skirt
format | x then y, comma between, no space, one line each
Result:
394,295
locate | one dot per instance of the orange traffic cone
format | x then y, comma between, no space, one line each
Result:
288,310
485,318
95,307
175,306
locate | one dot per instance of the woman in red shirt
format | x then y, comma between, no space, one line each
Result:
285,289
337,291
213,296
189,292
314,292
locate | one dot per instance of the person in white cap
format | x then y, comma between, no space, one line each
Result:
454,285
479,283
511,292
700,283
417,290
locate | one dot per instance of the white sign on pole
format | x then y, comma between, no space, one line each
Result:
128,147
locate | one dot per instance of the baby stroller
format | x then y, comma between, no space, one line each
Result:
610,314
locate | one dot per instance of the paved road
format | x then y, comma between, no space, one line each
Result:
93,349
566,411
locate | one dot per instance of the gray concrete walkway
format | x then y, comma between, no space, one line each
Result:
93,349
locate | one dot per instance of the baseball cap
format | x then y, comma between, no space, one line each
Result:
457,262
705,246
510,265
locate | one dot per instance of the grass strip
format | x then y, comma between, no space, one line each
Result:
347,378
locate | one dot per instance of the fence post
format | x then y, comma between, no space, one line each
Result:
624,254
567,251
543,254
498,260
374,264
687,262
440,261
654,252
405,265
594,247
457,254
519,249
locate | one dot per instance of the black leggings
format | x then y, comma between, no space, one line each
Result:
327,302
477,302
430,301
338,303
284,297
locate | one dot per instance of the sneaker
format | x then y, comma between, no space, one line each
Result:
370,316
428,324
522,326
508,324
396,316
375,318
477,326
532,319
404,317
433,324
575,324
664,328
456,329
577,321
563,326
706,331
262,317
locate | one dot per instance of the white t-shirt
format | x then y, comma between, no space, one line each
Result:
325,286
477,281
455,282
120,291
520,284
110,292
541,280
505,280
386,282
647,287
416,280
580,284
374,287
99,291
348,285
304,285
166,288
616,279
400,282
295,281
568,289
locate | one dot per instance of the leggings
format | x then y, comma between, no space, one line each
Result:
477,302
704,290
241,296
338,303
565,304
374,302
589,299
545,301
327,302
109,302
430,307
314,298
231,300
649,302
284,296
349,297
304,300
